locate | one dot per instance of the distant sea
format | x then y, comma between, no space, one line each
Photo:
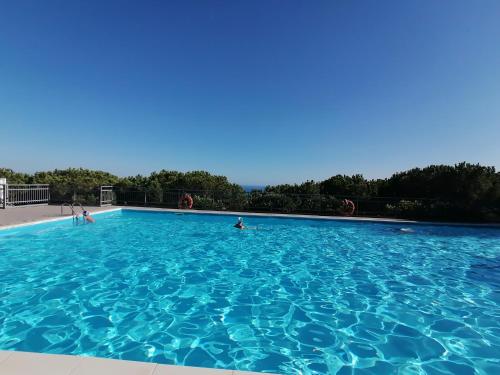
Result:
249,188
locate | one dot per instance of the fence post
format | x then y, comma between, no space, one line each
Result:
4,195
145,194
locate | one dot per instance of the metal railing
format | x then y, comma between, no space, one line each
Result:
265,201
227,200
24,195
235,200
106,196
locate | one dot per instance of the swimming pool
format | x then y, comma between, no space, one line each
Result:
294,296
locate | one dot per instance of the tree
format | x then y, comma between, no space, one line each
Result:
351,186
14,177
460,192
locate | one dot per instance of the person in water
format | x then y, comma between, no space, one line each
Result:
242,226
87,217
239,224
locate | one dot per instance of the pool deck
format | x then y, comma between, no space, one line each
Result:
25,363
20,216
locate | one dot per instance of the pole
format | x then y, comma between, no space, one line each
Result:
4,195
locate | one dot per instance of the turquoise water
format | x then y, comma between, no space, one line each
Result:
294,297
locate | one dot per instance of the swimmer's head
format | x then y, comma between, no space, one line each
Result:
240,219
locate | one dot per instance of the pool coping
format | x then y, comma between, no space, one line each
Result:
62,218
310,217
25,363
261,214
364,219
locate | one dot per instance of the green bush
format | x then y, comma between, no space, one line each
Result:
207,203
466,192
405,208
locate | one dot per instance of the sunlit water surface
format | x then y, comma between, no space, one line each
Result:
293,297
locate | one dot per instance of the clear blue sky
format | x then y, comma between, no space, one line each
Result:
261,91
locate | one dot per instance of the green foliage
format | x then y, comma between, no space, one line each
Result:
460,192
133,181
464,181
405,208
14,177
195,181
80,177
463,191
207,203
271,201
75,184
343,185
308,187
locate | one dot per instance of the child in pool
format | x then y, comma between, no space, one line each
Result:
87,217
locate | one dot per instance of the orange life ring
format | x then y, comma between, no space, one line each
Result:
349,206
186,201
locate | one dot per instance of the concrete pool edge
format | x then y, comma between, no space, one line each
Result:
25,363
259,214
364,219
55,219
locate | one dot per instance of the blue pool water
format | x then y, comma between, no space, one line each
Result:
294,297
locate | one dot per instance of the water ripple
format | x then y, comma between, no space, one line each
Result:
295,297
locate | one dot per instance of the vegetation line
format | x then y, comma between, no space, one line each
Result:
464,191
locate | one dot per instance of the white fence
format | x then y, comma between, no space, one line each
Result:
106,196
24,195
3,201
